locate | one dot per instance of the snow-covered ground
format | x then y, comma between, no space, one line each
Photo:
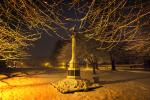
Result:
36,85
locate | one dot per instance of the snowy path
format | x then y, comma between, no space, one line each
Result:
119,85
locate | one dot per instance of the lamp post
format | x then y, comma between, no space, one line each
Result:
73,69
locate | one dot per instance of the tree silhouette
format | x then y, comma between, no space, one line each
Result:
107,21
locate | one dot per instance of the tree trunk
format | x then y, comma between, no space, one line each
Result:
146,63
94,72
113,66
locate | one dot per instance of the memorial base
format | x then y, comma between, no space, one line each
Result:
74,85
73,73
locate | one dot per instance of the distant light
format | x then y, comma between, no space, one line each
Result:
45,2
22,63
47,64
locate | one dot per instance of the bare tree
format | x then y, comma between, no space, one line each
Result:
141,47
13,44
107,21
86,52
15,35
118,22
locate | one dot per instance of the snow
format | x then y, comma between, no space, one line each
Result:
36,85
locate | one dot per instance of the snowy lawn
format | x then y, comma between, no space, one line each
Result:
35,85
